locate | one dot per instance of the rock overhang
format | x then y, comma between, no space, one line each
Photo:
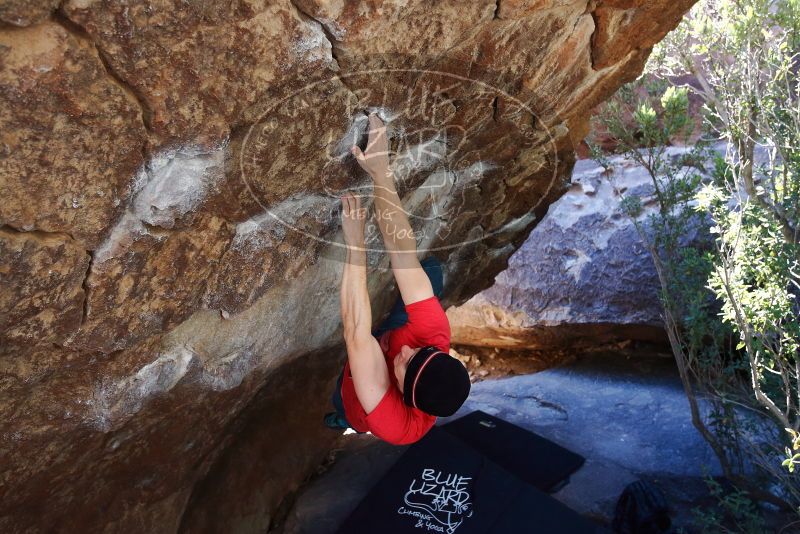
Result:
181,287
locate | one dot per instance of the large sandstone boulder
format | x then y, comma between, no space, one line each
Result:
169,235
582,278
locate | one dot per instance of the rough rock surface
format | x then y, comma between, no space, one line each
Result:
169,235
583,277
624,25
72,138
26,12
51,304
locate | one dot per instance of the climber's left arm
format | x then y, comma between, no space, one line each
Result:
367,364
398,236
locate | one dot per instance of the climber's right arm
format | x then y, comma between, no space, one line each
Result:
367,364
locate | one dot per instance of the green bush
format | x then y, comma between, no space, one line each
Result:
730,302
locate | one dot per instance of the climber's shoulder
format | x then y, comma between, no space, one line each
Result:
395,422
427,325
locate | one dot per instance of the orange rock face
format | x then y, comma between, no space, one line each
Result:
46,307
71,137
170,247
26,12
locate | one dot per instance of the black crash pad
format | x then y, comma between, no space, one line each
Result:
441,484
536,460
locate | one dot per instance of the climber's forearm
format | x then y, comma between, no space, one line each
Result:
400,241
354,297
398,236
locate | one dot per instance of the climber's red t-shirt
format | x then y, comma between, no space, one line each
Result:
392,420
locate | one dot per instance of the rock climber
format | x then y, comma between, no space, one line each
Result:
399,378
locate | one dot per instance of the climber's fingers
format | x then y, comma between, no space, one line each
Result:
358,154
376,126
377,134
